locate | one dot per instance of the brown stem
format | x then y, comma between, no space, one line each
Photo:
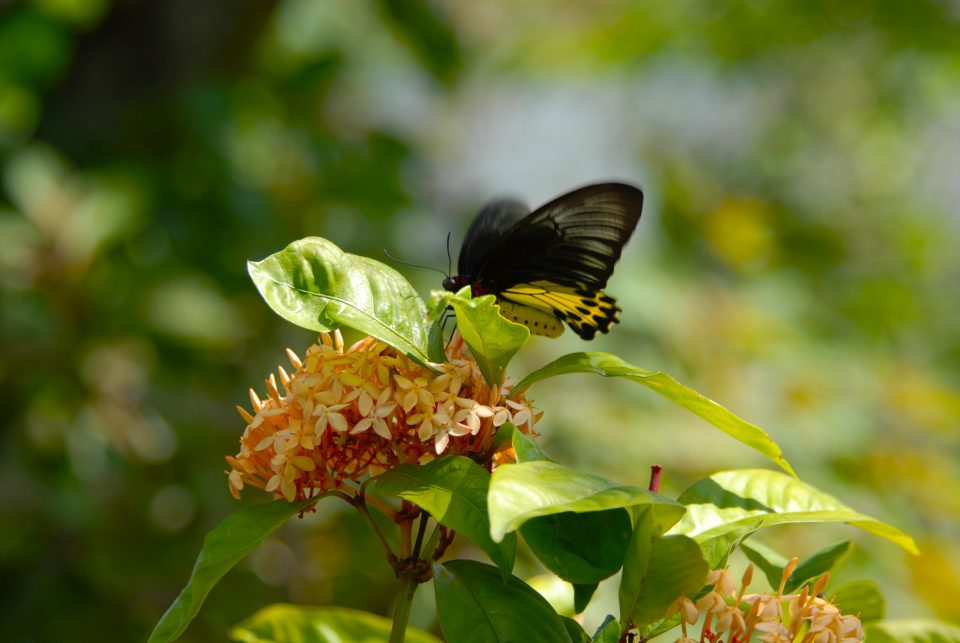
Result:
446,538
383,507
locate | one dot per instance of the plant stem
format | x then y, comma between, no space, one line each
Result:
401,613
409,579
361,505
655,471
424,516
406,528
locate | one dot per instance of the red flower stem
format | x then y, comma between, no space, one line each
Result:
655,471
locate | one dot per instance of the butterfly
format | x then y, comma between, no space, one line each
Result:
550,266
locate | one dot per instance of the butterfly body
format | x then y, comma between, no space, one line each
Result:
549,266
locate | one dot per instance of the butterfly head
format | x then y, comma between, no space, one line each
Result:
454,283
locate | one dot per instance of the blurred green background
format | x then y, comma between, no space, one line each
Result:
797,260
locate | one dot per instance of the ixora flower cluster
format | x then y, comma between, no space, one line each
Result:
346,413
731,612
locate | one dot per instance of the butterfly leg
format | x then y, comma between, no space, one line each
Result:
445,318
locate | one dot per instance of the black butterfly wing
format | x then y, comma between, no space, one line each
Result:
552,264
495,219
574,240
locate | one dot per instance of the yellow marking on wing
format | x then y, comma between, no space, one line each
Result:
538,321
585,311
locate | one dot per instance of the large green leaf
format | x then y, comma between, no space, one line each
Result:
860,597
575,630
609,365
676,567
283,623
717,550
316,285
519,492
912,631
226,545
656,571
580,548
582,595
769,561
820,562
454,490
808,570
736,503
493,339
475,604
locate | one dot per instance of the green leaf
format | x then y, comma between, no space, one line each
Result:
226,545
818,564
519,492
582,594
861,597
609,365
736,503
493,340
609,631
656,628
575,630
717,550
912,631
475,604
525,448
435,347
284,623
636,562
454,490
580,547
314,284
656,571
770,562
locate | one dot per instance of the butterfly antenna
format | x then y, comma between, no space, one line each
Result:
415,265
449,258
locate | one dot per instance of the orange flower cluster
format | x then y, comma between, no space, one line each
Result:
739,616
348,413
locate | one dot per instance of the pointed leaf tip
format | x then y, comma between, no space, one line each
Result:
609,365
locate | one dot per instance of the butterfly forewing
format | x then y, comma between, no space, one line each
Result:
491,223
550,266
575,239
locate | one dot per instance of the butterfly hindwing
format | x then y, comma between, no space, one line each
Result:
539,321
550,266
585,311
